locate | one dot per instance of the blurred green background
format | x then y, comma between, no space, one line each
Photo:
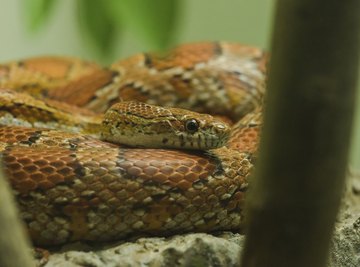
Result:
69,30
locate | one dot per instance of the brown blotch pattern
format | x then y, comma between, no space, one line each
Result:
170,167
81,91
30,168
185,56
74,187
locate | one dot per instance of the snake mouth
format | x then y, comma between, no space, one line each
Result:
202,141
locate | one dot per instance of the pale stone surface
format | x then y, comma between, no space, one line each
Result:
346,241
182,250
210,250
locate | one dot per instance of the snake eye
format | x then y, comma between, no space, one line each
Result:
191,125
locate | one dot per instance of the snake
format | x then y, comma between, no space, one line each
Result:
97,153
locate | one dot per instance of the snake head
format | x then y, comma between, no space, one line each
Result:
144,125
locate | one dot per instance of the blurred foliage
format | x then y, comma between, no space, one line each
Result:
101,22
37,11
98,25
154,20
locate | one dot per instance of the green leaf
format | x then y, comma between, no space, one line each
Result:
153,21
98,25
37,12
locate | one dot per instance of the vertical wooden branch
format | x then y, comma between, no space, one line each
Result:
299,178
14,246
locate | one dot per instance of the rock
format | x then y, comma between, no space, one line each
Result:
182,250
345,251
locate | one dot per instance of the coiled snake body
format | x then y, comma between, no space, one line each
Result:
71,186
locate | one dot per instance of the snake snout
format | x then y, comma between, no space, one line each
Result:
221,131
221,128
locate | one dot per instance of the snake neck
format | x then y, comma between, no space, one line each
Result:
24,110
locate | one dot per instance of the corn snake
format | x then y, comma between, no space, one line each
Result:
71,186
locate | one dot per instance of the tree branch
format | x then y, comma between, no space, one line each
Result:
295,195
14,245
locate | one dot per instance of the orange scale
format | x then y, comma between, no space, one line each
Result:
141,164
37,177
67,159
41,162
166,170
55,178
20,175
182,169
156,163
108,164
45,184
189,163
92,164
48,169
30,168
20,131
9,158
203,175
23,161
160,157
150,170
196,169
125,164
176,177
202,161
157,154
159,177
65,171
57,164
183,184
21,137
26,186
14,166
7,135
135,171
191,177
69,178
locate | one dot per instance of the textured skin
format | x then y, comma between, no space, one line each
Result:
142,125
71,186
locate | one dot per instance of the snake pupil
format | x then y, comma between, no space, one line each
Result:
191,125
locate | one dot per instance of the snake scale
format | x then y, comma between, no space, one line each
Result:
71,186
